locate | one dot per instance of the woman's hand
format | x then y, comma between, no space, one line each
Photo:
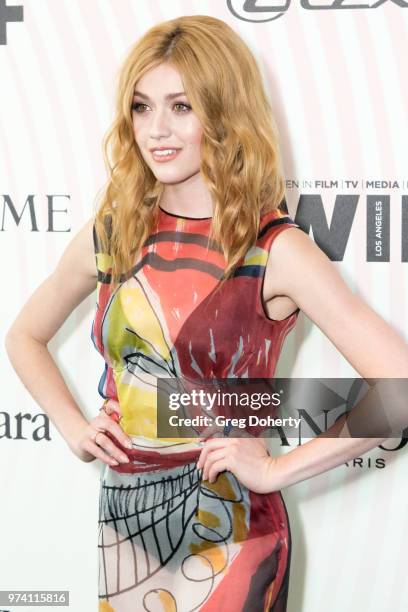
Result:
91,443
247,458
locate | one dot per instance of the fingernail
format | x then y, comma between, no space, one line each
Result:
128,444
124,458
114,462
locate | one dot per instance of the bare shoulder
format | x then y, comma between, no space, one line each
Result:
301,270
81,251
77,264
72,280
287,254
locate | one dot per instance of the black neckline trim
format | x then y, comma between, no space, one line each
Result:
182,217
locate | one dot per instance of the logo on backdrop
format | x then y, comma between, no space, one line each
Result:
32,214
8,14
259,11
333,238
24,426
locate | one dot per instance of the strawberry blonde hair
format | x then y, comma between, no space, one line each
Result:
240,158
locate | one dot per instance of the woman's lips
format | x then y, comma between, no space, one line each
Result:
164,158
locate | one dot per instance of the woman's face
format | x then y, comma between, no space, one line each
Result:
164,120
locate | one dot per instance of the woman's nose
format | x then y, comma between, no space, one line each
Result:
159,124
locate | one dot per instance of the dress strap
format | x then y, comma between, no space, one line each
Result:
272,225
108,228
103,259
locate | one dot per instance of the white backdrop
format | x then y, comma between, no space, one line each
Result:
337,81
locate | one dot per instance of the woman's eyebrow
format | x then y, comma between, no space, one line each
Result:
169,96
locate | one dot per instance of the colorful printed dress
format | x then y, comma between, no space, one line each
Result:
168,540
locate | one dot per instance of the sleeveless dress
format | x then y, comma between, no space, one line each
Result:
168,540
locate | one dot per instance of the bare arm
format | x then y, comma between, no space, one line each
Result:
36,324
372,346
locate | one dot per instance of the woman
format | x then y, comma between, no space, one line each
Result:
196,278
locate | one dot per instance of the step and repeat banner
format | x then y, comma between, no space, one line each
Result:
335,72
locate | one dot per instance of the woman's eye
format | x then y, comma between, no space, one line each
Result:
186,106
136,106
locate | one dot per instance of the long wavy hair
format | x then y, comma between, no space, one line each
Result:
240,157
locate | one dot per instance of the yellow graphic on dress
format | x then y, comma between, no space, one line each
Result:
104,606
210,552
137,334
